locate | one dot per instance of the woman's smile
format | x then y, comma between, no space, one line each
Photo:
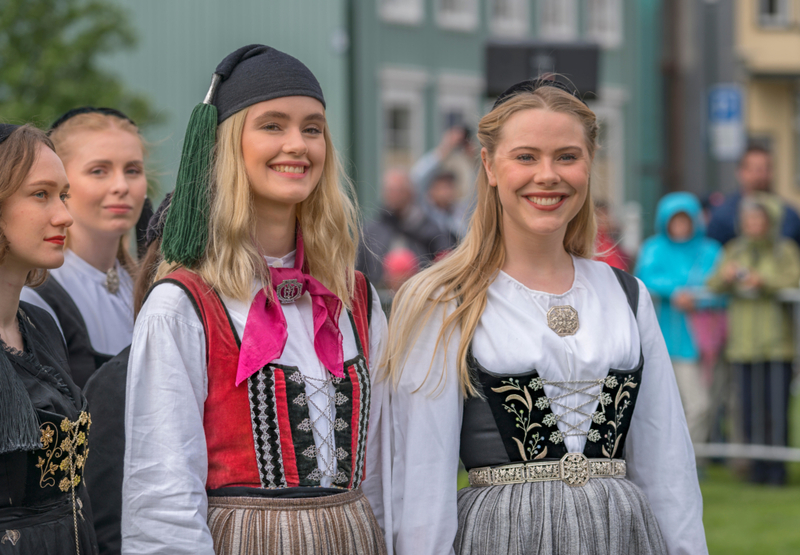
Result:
547,201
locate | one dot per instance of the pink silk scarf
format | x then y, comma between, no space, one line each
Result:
265,331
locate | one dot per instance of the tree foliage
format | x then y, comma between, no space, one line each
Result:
49,53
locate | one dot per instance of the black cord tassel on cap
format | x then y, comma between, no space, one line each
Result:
19,426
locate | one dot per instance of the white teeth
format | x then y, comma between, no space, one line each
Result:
289,169
545,201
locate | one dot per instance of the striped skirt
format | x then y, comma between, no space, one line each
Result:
605,516
331,525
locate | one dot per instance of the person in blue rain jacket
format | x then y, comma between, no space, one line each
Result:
679,256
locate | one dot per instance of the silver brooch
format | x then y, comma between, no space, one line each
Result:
112,280
289,290
563,320
11,536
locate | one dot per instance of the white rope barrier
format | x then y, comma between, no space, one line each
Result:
746,451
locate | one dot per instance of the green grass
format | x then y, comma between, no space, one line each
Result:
752,519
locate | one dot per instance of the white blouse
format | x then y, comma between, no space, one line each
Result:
413,464
108,317
164,503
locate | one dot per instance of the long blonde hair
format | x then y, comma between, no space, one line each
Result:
465,275
328,218
97,121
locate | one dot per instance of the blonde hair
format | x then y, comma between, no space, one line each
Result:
17,155
96,121
328,219
464,276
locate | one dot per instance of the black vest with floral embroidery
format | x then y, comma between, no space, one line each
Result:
513,420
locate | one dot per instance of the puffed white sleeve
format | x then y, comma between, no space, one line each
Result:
420,426
378,458
164,503
659,451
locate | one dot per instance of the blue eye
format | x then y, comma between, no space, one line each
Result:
525,158
65,196
569,157
40,194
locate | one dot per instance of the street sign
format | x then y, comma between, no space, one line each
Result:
726,121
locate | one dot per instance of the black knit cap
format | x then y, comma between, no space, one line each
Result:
251,74
256,73
6,129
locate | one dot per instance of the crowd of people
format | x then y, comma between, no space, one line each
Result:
743,251
239,390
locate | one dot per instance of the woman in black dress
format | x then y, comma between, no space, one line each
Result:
44,424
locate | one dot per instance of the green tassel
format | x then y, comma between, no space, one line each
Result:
186,228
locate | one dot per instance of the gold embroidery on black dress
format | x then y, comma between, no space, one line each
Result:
518,403
622,400
65,455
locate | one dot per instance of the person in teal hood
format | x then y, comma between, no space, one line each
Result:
679,256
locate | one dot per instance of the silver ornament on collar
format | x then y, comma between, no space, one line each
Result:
563,320
289,290
112,280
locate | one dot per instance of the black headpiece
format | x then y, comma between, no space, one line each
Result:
249,75
88,110
531,85
155,227
256,73
6,129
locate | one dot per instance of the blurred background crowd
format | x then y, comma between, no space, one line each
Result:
695,184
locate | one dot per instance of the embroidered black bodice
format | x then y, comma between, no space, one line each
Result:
513,420
30,478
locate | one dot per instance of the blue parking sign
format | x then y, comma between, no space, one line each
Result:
726,121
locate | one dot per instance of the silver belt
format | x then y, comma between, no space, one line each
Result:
574,469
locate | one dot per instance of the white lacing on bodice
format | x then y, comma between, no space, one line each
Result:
576,387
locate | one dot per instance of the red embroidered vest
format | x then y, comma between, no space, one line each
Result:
258,434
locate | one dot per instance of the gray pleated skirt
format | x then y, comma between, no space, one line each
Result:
605,516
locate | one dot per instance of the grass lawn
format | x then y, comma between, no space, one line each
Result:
751,519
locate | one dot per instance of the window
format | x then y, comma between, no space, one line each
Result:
509,18
402,117
409,12
604,22
608,175
558,20
774,13
458,100
398,128
460,15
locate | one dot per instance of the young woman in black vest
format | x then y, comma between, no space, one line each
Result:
44,423
544,371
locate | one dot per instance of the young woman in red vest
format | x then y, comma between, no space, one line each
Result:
249,377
